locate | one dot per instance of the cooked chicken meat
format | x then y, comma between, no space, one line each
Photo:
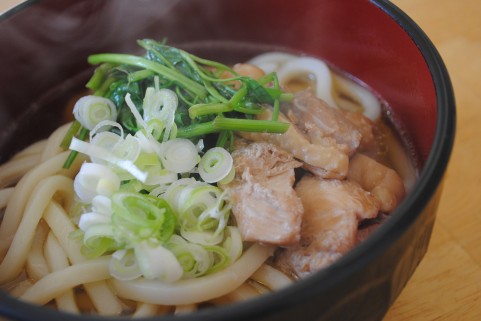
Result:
332,211
325,156
321,122
265,205
383,182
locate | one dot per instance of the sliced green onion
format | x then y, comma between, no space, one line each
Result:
90,219
179,155
90,110
123,265
233,242
104,140
194,259
202,237
215,165
141,217
157,262
95,179
98,239
108,156
220,258
105,125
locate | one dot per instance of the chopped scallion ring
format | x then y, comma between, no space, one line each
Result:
215,165
91,110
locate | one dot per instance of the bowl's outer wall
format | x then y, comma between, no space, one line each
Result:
46,42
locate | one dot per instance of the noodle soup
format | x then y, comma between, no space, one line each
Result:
184,172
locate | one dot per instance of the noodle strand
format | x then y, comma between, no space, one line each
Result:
57,260
271,277
102,297
60,281
16,256
37,266
11,172
16,204
199,289
33,149
52,147
5,194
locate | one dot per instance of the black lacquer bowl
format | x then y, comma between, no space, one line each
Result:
44,47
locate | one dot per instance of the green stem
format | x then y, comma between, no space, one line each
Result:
286,97
84,132
207,109
195,130
225,137
105,87
275,110
249,111
140,75
71,132
250,125
98,77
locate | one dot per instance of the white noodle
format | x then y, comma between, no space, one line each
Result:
11,172
309,66
53,143
5,194
16,256
33,149
199,289
327,85
370,103
60,281
145,310
103,299
57,260
272,278
271,61
16,204
36,265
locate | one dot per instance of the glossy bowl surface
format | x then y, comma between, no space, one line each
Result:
44,46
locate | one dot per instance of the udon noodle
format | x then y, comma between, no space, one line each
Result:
42,263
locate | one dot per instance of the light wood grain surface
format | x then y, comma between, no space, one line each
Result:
447,284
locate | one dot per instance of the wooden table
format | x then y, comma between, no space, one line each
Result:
447,284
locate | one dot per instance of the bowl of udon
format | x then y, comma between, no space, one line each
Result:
216,160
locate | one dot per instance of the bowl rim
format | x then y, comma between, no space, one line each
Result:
390,231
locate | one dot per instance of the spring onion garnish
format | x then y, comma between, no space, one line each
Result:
179,155
123,265
215,165
157,262
90,110
95,179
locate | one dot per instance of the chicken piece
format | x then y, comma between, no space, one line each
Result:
366,127
325,157
332,211
383,182
320,122
264,203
